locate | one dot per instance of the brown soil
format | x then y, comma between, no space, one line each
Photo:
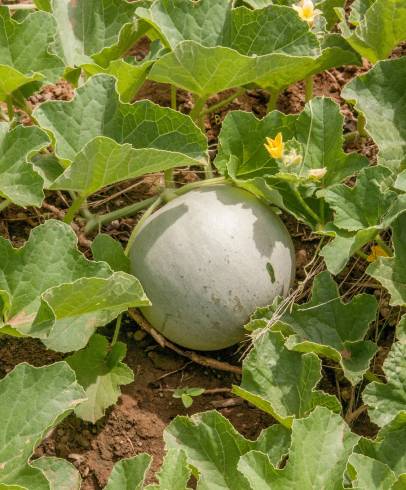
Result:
146,406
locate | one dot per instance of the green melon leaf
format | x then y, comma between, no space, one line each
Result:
50,291
104,162
371,473
381,26
378,95
213,447
389,445
32,400
391,271
20,66
174,472
321,445
19,181
401,181
97,111
281,382
129,474
106,249
60,474
100,378
97,31
386,400
330,328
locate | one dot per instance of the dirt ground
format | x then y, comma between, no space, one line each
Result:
146,406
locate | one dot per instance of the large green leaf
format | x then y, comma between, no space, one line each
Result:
218,47
20,66
391,271
214,447
380,94
371,473
381,25
60,474
386,400
97,111
101,373
19,182
321,445
32,400
282,382
103,162
389,445
93,30
50,291
333,329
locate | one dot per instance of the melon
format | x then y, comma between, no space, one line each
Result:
206,260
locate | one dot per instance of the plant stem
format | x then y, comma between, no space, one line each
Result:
10,109
308,81
168,176
383,245
361,254
96,221
361,122
222,103
4,204
200,183
303,203
22,6
174,104
117,329
142,220
75,207
197,114
273,99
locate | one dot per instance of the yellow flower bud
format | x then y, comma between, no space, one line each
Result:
306,11
275,146
318,173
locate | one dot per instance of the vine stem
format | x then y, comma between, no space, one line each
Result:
4,204
222,103
273,99
308,81
10,109
22,6
117,329
308,209
197,112
168,174
75,207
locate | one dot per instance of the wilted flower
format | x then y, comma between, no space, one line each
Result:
275,146
306,11
376,251
318,173
292,159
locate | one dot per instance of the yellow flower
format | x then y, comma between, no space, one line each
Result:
275,146
376,251
317,173
306,11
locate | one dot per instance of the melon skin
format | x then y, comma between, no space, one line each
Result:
203,260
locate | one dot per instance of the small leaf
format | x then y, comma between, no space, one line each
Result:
213,447
32,400
129,474
100,381
19,181
321,445
281,382
187,400
377,94
60,474
385,401
195,391
371,473
390,271
106,249
330,328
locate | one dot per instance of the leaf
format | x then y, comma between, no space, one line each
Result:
50,291
271,47
129,78
213,447
60,474
96,111
100,380
321,445
378,95
106,249
20,66
19,182
390,271
281,382
43,5
174,472
32,400
367,204
99,31
389,445
381,26
330,328
371,473
129,474
103,162
401,181
385,401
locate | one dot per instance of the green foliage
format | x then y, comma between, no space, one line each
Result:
60,474
186,395
32,400
106,249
